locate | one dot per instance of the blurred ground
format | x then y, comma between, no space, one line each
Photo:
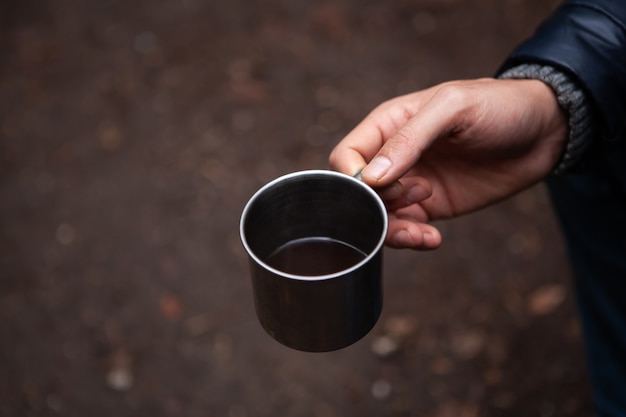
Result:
131,135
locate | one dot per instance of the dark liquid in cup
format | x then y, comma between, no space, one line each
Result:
314,256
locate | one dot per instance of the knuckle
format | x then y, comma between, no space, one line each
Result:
452,93
404,139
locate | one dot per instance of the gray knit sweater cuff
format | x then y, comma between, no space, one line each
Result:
572,99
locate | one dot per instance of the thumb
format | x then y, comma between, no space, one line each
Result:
440,115
396,157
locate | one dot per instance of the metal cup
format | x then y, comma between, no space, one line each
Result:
315,312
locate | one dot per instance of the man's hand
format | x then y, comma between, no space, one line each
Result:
452,149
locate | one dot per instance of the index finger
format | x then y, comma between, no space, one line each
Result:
357,148
364,142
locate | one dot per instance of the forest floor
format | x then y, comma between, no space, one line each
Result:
131,136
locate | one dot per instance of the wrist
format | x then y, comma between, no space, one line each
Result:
554,129
573,102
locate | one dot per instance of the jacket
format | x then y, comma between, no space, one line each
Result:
586,40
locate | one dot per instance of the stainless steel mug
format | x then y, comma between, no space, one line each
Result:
315,242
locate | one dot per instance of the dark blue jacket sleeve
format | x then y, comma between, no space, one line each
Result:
587,40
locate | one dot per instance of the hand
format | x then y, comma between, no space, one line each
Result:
452,149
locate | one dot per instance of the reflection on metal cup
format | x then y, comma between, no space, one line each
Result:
315,242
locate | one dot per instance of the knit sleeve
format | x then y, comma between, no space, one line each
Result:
572,100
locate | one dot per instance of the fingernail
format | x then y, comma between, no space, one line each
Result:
403,238
431,239
392,192
417,193
377,168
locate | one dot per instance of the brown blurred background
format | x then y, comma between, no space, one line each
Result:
131,135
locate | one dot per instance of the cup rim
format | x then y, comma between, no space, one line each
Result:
314,172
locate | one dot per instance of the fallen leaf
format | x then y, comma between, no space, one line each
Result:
171,307
545,299
401,326
467,344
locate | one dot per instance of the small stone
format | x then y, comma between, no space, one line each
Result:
198,325
384,346
120,379
381,389
65,234
243,121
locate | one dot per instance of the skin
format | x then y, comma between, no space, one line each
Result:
452,149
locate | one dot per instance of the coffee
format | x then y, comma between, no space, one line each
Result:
314,256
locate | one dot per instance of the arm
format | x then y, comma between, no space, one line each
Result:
462,145
452,149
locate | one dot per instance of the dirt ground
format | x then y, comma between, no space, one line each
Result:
131,135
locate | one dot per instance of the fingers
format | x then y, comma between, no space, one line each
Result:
405,192
391,193
408,229
405,233
407,217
